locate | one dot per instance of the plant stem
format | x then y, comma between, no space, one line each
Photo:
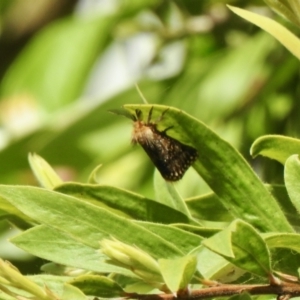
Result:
285,290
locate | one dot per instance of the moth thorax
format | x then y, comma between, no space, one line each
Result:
141,132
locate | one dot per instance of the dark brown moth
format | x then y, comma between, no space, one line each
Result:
171,157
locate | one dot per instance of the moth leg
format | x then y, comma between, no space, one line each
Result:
150,115
165,130
139,114
162,115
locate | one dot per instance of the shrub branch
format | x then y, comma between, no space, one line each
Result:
284,291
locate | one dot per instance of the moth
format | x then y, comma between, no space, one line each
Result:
171,157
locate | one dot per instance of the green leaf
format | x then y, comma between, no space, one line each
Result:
214,267
208,207
59,286
280,193
185,268
201,231
285,260
284,36
95,285
166,193
283,240
223,238
43,172
242,245
291,178
87,223
59,247
184,240
224,170
127,203
14,215
275,147
72,293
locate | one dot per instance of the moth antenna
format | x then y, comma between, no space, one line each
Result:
150,115
141,94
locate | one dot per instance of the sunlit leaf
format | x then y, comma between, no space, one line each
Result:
284,36
87,223
276,147
185,268
291,178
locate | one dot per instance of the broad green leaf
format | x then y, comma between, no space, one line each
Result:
183,240
131,204
215,267
55,245
242,245
224,170
141,287
275,147
43,172
208,207
284,36
59,285
72,293
281,194
14,215
166,193
221,243
87,223
291,178
185,269
96,285
283,240
285,260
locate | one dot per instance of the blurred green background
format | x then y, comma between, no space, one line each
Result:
65,63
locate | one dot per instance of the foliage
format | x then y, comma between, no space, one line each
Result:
105,241
82,225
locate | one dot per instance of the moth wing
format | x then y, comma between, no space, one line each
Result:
170,157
